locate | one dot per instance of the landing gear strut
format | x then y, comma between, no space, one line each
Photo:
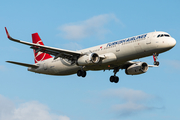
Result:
114,78
81,73
155,55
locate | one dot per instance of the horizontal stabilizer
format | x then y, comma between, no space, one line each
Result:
23,64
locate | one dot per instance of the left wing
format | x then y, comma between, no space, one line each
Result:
23,64
71,55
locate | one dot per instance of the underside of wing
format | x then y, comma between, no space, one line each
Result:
126,64
129,63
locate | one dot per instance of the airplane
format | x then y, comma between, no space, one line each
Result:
114,55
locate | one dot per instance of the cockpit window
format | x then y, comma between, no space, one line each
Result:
163,35
166,35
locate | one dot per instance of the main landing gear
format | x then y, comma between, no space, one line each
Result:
155,55
81,73
114,78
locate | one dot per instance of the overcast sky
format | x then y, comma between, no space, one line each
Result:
79,24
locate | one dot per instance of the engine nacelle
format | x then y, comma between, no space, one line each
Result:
90,59
137,68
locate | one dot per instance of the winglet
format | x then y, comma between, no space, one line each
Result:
9,37
7,33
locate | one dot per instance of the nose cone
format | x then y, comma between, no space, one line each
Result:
172,43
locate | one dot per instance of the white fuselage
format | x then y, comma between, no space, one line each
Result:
114,53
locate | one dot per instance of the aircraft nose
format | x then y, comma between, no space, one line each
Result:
172,42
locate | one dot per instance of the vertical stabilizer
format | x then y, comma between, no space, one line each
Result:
39,56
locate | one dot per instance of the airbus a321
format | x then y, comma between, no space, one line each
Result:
110,56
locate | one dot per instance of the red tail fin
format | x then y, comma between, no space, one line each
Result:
39,56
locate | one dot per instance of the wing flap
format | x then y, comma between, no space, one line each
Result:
23,64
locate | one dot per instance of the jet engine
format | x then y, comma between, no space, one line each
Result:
137,68
89,59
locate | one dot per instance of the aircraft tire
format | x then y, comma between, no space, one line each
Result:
116,79
111,79
83,73
156,63
79,73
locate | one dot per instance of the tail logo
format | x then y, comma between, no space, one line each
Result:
40,42
39,56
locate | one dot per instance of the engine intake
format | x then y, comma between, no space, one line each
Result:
90,59
137,68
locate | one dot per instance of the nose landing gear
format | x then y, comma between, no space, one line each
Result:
155,55
114,78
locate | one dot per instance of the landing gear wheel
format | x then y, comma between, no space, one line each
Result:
156,63
114,79
111,79
81,73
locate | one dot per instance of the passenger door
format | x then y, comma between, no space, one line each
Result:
148,39
118,47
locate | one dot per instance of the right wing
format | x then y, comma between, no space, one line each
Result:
71,55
